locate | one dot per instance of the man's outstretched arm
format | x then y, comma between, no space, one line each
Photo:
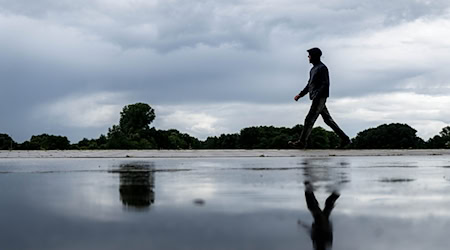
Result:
302,93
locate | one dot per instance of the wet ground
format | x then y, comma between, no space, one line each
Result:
380,202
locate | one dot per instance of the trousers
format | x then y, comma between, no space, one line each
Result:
318,107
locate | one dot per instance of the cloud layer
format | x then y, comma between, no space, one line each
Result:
68,67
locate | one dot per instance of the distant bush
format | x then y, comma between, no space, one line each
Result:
46,142
440,141
269,137
6,142
388,136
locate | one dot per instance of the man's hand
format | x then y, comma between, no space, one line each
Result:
297,97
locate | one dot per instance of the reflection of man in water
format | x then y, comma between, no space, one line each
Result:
321,229
318,88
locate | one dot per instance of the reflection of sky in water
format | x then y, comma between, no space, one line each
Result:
246,203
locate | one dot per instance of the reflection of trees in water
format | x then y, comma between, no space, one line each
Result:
136,185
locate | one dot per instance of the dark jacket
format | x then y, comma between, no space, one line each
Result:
319,82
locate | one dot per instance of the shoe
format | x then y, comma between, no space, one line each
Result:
297,144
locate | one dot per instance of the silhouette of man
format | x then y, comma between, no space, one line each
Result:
321,230
318,88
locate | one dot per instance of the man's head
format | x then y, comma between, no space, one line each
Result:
314,55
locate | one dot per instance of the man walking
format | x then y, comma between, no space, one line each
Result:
318,88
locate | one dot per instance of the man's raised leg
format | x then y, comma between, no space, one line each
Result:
345,140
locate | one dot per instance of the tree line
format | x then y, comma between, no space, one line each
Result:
134,132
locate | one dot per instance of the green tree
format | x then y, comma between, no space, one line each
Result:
388,136
85,143
445,132
101,141
136,118
440,141
6,142
212,142
249,137
318,139
228,141
117,139
279,141
269,137
46,142
133,131
173,139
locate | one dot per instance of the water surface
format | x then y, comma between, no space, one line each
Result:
394,202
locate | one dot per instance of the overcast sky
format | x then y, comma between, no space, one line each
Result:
211,67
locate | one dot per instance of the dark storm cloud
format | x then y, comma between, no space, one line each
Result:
203,52
170,25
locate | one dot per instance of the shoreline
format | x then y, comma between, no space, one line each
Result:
219,153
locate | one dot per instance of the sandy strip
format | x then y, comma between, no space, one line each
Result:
213,153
